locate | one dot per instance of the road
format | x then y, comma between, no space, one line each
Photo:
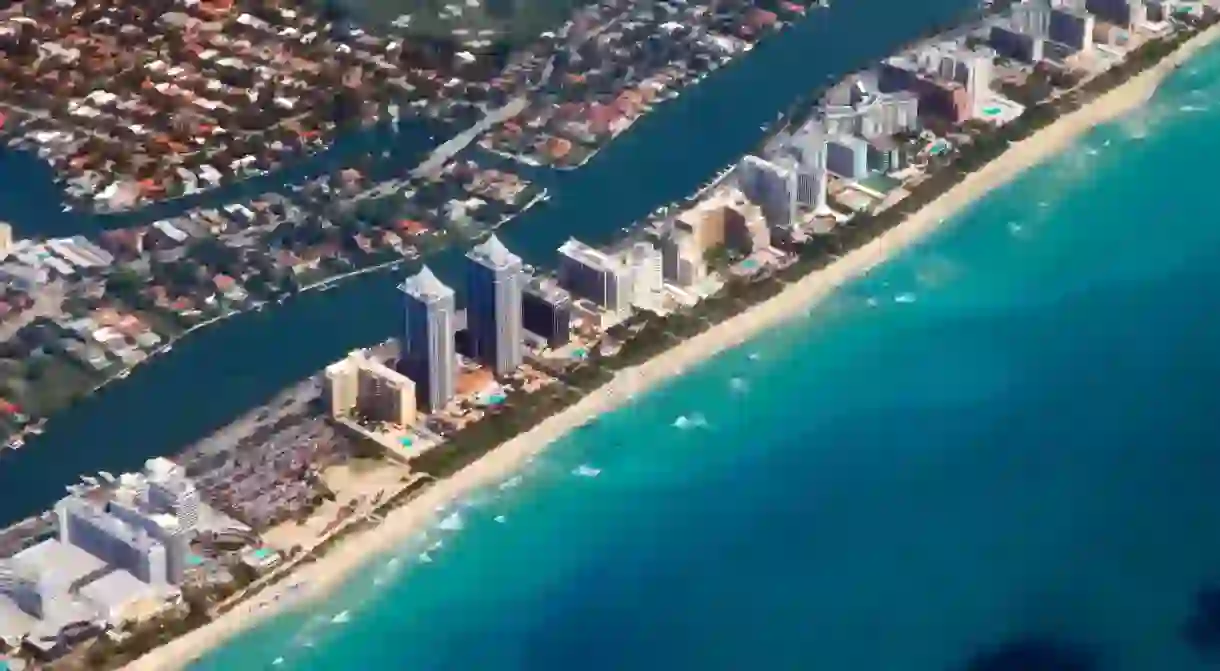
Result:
452,147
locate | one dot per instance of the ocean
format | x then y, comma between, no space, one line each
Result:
1002,440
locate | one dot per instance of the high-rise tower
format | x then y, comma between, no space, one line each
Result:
428,356
495,280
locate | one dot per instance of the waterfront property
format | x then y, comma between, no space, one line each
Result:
633,341
202,96
428,354
122,551
493,309
621,60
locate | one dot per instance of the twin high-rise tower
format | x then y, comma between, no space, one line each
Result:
496,280
428,355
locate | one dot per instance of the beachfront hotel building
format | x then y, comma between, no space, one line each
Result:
428,356
1072,28
647,275
1022,34
807,148
951,62
169,491
86,525
546,311
682,260
161,527
384,394
97,567
372,389
36,596
1012,43
858,106
705,222
495,283
107,556
593,275
951,81
772,187
745,228
340,388
1122,13
1031,18
847,157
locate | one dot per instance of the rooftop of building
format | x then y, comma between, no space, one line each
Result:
642,252
99,515
425,286
850,90
587,255
548,289
848,140
160,467
58,562
362,361
116,590
491,252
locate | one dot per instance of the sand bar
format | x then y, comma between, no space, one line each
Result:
500,464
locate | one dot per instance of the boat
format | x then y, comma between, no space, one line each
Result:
37,428
15,443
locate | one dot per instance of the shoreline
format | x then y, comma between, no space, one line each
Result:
501,463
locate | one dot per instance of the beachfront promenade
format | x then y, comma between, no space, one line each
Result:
795,298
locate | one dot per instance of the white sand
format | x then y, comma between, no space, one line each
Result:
502,462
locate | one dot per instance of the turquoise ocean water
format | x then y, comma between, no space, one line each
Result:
1007,433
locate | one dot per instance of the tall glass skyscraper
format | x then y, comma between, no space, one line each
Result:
495,280
428,356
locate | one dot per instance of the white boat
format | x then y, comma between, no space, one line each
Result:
15,443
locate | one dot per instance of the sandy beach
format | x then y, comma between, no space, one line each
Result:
501,463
